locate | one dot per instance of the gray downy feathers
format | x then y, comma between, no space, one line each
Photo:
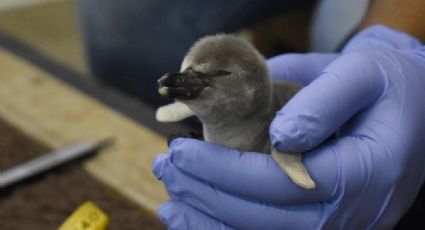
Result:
224,81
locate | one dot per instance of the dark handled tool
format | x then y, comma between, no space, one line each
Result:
48,161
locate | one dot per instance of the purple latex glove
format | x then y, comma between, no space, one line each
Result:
373,95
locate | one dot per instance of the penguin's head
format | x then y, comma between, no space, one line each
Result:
220,69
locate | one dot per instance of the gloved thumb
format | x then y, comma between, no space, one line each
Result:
345,87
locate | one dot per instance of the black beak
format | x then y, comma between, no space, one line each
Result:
186,85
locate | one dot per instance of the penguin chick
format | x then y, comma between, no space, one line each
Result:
224,81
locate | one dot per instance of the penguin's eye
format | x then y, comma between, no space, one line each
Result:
210,74
190,70
219,73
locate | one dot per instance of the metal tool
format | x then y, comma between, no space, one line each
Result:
49,161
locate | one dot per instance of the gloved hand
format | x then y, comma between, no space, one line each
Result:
372,96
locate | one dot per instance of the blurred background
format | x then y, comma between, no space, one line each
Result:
131,44
48,26
41,39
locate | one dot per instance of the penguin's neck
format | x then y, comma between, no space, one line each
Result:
251,134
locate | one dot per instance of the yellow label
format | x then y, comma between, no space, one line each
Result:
87,217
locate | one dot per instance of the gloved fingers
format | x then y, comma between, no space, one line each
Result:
177,215
299,68
254,175
383,37
348,85
234,211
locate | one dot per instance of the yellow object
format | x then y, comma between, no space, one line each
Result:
87,217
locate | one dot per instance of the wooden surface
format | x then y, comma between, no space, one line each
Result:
46,201
56,114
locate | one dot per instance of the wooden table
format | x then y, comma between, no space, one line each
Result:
56,114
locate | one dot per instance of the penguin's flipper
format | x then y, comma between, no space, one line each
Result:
173,112
293,166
